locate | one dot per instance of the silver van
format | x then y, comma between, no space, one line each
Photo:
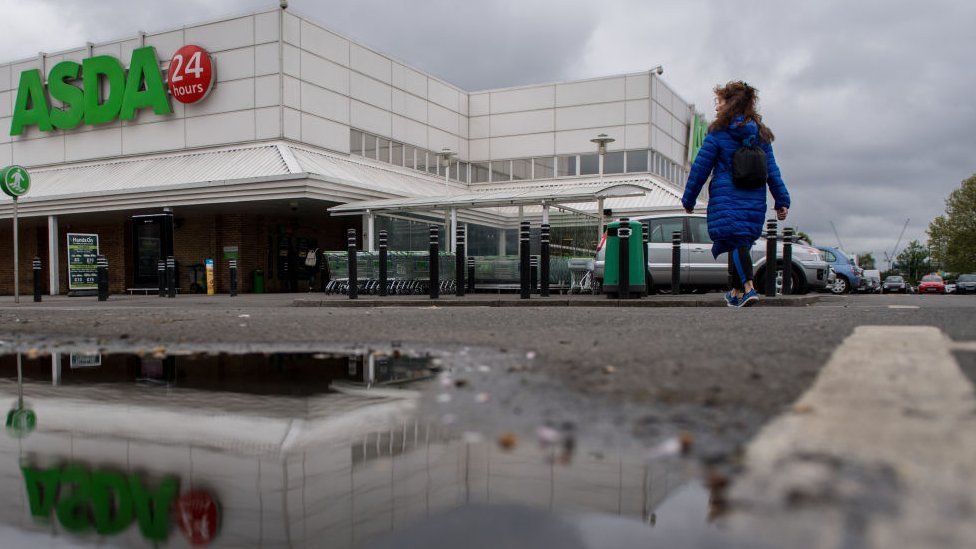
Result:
701,271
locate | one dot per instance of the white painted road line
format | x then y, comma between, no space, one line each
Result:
879,452
903,306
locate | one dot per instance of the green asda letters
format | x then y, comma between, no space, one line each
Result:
106,92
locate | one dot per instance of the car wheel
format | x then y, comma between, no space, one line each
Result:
841,286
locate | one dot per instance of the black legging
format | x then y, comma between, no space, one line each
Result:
740,271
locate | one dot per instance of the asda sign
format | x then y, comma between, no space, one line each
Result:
99,90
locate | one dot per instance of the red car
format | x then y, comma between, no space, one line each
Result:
932,284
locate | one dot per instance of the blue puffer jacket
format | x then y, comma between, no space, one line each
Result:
735,216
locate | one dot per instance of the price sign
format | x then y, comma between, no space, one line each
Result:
191,74
82,258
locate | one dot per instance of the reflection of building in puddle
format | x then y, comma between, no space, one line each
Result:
301,468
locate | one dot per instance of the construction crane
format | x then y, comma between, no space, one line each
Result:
891,257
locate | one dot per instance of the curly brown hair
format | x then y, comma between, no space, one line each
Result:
739,99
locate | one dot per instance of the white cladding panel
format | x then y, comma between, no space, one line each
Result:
438,140
267,123
292,124
231,96
479,149
409,105
522,123
6,154
370,63
95,144
409,80
575,141
266,59
478,104
523,99
39,151
5,78
590,91
266,28
292,90
442,118
478,127
234,64
292,29
324,73
267,91
149,138
323,43
324,103
217,129
638,111
637,136
442,94
166,44
590,116
409,131
291,60
370,118
370,91
638,86
539,144
7,103
325,133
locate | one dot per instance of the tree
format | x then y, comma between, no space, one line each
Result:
804,237
913,261
866,261
952,236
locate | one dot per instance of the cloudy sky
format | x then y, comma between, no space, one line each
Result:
872,101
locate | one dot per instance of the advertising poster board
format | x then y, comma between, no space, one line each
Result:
82,257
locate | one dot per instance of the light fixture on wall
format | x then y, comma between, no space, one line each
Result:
444,159
658,70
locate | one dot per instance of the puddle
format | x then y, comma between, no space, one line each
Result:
308,449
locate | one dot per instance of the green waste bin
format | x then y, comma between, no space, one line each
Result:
611,266
258,280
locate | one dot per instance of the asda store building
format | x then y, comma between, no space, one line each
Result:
234,138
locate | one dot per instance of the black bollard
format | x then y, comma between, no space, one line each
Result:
544,260
37,279
623,259
102,265
534,274
646,239
161,274
524,260
353,278
787,260
771,263
459,263
233,277
675,262
435,266
171,276
384,290
471,274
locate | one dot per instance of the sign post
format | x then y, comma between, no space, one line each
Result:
15,182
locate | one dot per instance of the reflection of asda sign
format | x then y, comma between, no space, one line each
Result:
107,92
108,502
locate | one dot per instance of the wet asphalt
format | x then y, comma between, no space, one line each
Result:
646,373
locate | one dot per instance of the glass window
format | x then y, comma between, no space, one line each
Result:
521,169
636,161
421,160
699,230
566,166
462,172
396,152
501,170
542,168
589,164
831,258
369,151
432,163
613,162
384,149
356,142
661,229
479,172
408,156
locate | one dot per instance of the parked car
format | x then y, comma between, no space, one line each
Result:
966,284
932,284
701,272
870,282
848,275
895,284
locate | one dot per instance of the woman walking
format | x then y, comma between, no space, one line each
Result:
738,154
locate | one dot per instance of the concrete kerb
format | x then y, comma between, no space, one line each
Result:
581,301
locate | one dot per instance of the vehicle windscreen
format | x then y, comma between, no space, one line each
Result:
931,278
967,278
894,279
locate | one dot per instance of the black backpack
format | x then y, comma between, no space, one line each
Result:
749,166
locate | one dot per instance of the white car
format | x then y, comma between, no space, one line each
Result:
701,271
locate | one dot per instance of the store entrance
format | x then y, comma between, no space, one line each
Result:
152,240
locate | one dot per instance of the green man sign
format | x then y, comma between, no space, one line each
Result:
124,93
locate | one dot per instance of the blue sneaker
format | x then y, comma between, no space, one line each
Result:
749,299
731,300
